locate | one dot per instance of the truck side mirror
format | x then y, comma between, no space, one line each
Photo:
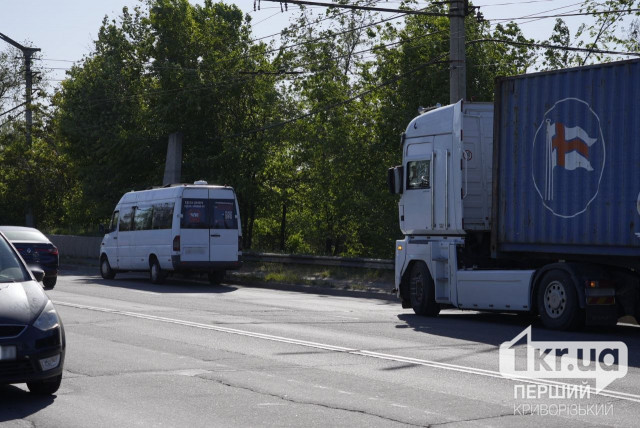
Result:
101,229
394,179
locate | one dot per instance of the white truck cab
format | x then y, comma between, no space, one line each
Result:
445,182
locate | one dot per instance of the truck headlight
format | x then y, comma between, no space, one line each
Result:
48,318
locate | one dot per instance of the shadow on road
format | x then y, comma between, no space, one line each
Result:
195,284
140,282
494,329
16,403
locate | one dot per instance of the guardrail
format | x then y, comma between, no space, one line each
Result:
361,263
88,247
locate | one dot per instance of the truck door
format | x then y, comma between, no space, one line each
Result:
425,206
415,204
194,226
441,209
224,226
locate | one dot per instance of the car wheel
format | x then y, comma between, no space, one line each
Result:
105,269
49,282
422,291
45,387
216,277
156,274
558,302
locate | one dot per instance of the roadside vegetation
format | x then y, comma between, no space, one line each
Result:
303,128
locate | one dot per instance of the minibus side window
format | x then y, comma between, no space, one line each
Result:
125,222
114,221
162,216
142,218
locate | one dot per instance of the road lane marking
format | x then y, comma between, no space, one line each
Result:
143,291
360,352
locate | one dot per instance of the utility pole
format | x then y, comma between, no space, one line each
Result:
458,66
27,53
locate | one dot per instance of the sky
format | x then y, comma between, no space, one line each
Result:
65,29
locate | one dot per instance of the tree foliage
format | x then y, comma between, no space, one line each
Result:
304,130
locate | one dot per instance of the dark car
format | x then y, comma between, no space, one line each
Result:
32,340
35,249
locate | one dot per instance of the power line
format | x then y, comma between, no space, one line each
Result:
316,22
15,108
514,3
558,47
12,118
387,82
562,15
357,7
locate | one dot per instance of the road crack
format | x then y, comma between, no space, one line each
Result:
308,403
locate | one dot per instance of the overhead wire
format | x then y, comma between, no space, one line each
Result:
337,104
549,46
314,40
12,118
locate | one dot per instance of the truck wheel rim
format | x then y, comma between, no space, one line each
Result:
555,299
104,267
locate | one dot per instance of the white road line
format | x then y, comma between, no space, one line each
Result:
364,353
143,292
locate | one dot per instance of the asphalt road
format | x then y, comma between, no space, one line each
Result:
190,354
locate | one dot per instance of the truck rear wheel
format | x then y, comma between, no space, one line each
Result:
422,291
558,302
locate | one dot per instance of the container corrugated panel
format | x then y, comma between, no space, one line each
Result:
568,156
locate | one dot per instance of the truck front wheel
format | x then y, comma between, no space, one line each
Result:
558,302
422,291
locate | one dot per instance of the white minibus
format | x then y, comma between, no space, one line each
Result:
176,228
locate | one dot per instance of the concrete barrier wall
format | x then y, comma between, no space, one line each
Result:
79,247
88,247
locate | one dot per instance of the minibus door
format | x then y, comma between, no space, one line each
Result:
194,226
224,227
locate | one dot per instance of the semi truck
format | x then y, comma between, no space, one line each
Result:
529,204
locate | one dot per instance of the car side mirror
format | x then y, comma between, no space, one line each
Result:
101,229
37,273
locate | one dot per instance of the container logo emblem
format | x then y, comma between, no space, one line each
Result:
568,157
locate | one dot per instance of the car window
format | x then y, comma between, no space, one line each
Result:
11,269
25,235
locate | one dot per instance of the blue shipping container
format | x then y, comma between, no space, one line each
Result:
567,153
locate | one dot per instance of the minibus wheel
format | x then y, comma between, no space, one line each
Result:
156,274
216,277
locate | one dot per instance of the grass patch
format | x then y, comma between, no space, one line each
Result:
326,276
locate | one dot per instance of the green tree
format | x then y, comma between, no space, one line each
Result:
171,67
